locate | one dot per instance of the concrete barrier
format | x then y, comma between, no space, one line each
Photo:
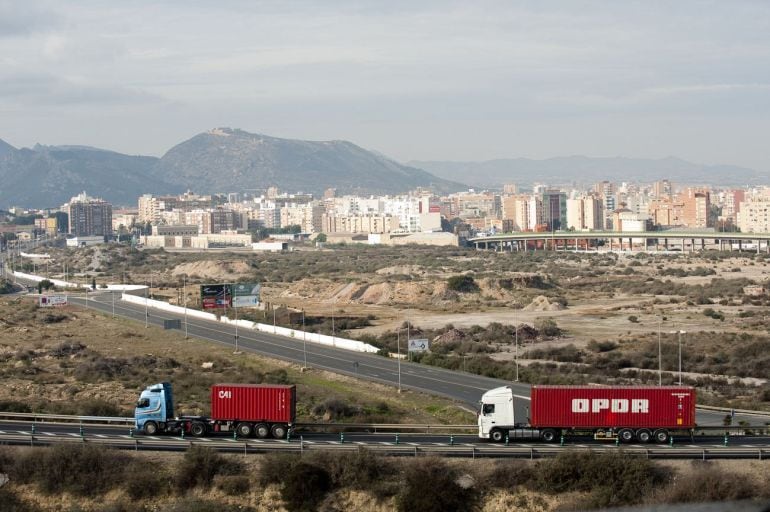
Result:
128,296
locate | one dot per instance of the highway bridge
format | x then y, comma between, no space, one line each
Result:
596,241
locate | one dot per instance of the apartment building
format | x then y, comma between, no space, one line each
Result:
89,216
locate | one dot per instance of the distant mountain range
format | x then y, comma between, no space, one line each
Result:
221,160
582,170
228,160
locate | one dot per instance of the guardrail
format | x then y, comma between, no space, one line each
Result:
473,451
727,410
65,418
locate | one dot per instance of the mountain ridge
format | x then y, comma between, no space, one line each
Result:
585,170
216,161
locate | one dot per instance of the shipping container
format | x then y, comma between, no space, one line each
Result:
595,407
253,402
645,413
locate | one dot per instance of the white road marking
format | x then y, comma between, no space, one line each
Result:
100,435
22,432
73,434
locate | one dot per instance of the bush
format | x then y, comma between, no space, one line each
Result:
710,484
462,284
83,470
9,502
234,485
14,406
633,319
547,326
304,487
274,466
361,470
430,485
511,474
144,481
612,478
199,467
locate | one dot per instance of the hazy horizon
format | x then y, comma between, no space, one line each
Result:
434,81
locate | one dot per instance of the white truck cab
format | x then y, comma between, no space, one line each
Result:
496,413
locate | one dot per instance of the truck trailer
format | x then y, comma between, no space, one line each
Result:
248,409
640,413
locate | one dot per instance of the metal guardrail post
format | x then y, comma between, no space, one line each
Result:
342,438
396,438
451,440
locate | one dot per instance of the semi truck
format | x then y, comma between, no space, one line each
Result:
259,410
642,413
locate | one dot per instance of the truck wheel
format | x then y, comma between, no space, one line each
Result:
262,430
548,435
278,431
496,435
661,436
243,429
150,428
198,429
643,436
626,435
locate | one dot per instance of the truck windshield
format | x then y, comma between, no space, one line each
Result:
144,402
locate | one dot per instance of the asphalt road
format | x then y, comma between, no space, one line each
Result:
464,387
45,431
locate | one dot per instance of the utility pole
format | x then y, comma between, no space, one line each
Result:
680,356
146,307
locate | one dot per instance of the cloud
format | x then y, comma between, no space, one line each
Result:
25,18
34,90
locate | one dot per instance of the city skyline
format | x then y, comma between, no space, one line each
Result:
430,82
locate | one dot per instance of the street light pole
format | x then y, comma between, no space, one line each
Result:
680,356
113,303
235,308
660,354
146,307
398,353
304,340
517,351
184,292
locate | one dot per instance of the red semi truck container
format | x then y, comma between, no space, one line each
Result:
248,409
642,413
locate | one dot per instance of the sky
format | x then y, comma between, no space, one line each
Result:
415,80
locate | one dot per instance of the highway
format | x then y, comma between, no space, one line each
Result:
446,444
465,387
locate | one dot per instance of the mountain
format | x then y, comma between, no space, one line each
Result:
48,176
221,160
586,170
224,160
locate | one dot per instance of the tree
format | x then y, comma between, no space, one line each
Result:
321,238
547,326
44,284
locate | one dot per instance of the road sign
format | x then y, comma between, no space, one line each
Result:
172,324
419,345
49,301
246,295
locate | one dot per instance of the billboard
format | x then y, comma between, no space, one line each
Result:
419,345
48,301
245,295
215,296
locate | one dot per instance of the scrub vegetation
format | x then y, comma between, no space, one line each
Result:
91,478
